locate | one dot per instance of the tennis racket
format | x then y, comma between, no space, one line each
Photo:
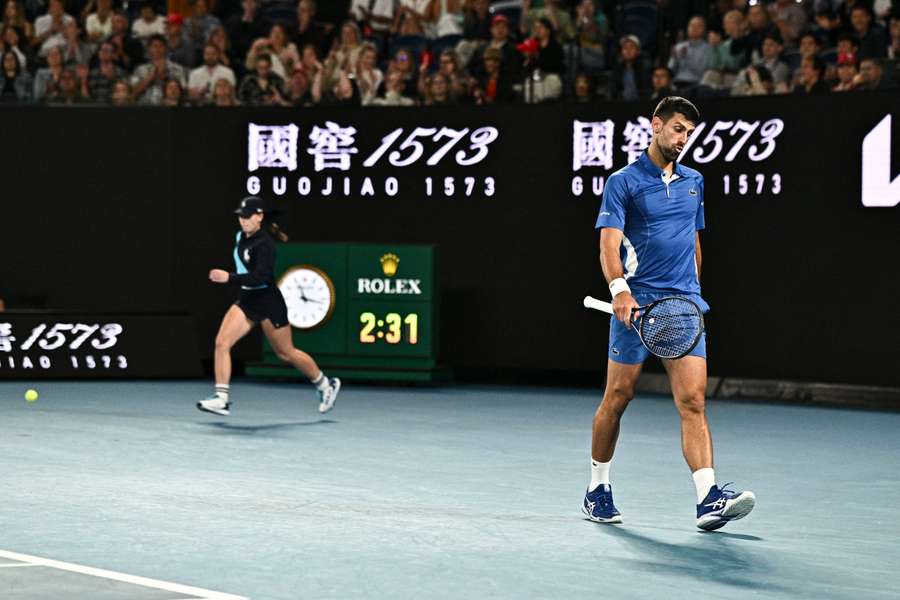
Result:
669,327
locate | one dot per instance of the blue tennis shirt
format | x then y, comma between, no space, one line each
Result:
660,221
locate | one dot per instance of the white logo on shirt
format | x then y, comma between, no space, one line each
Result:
247,255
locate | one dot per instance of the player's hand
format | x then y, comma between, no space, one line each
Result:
219,276
623,304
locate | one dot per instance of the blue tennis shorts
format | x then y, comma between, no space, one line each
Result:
624,344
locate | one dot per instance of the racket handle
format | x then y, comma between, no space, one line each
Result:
590,302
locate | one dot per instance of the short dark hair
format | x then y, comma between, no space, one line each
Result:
670,105
666,69
158,38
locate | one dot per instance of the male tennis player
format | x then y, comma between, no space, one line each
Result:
649,223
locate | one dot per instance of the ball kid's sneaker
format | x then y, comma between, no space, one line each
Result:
328,396
215,404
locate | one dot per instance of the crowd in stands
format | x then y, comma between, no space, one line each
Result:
438,52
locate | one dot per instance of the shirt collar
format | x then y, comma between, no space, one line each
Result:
649,166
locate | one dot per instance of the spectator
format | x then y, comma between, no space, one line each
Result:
376,15
448,20
893,50
414,18
871,37
181,46
47,79
812,77
593,32
809,48
629,80
827,26
202,24
724,64
343,93
299,88
148,24
223,93
491,86
75,50
98,24
14,16
173,94
200,81
48,29
219,39
438,92
559,19
16,85
262,87
403,64
477,21
846,72
871,76
282,52
790,19
510,57
129,51
755,80
448,66
310,31
68,92
11,40
122,94
343,59
690,57
751,44
368,76
104,76
243,29
395,92
549,57
771,60
149,79
662,83
584,89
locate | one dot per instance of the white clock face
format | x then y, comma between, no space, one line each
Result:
309,295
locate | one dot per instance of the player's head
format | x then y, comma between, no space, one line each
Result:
250,214
673,123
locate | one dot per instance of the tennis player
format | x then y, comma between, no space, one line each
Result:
260,301
650,218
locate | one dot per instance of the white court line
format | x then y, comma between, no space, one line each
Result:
133,579
18,565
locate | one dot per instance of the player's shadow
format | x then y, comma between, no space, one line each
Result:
711,557
235,429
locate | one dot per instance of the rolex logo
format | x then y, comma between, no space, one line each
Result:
389,264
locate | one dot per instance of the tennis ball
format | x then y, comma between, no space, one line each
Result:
31,395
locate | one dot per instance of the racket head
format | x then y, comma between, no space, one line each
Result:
670,327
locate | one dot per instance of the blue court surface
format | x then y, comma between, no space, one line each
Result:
125,491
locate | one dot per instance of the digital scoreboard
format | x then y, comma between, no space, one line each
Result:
363,311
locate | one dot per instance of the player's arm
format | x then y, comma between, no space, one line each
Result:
613,270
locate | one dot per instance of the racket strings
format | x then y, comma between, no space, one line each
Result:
670,328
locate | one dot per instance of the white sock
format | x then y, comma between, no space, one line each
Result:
222,391
321,382
704,480
599,474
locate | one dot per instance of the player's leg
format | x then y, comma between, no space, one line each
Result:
283,345
715,506
235,325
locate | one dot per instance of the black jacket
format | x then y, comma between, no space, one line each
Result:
254,259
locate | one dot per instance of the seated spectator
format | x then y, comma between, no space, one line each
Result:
771,60
262,86
129,51
500,40
310,31
282,53
790,19
48,29
549,58
893,50
629,79
223,93
173,94
98,24
448,20
559,19
724,63
75,50
122,94
661,83
755,80
827,26
219,39
375,15
16,85
11,40
344,92
202,24
395,93
149,79
593,32
812,77
759,27
243,29
149,23
181,46
14,16
584,89
872,41
846,73
200,80
368,76
414,19
491,86
47,79
438,91
68,92
104,76
299,88
689,58
344,57
403,64
448,66
871,76
477,21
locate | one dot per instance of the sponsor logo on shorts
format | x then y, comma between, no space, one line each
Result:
615,351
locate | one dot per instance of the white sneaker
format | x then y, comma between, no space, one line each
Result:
215,404
328,396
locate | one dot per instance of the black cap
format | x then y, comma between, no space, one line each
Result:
251,205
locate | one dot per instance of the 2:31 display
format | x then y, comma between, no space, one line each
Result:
374,328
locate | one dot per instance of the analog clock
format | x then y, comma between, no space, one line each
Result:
309,295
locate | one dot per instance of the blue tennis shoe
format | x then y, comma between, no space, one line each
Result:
721,506
598,505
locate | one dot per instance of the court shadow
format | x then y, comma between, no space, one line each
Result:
712,557
234,429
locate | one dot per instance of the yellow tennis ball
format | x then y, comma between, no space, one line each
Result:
31,395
